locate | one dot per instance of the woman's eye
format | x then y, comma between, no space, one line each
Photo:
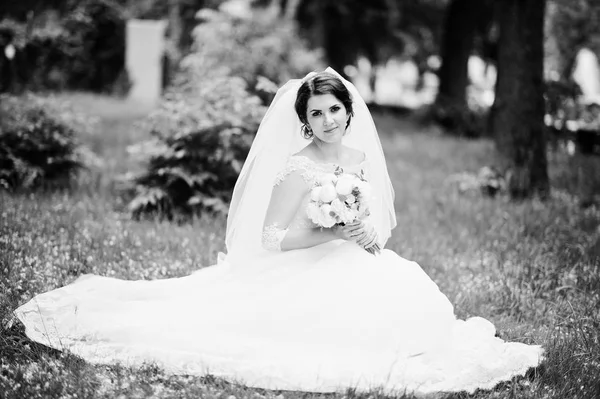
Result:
335,109
316,114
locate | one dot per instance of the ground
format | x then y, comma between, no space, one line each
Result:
531,267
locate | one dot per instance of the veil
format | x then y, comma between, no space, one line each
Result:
278,138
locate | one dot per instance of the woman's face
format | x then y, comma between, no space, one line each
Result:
327,117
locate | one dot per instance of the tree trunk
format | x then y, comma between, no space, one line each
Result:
458,40
290,8
175,28
518,111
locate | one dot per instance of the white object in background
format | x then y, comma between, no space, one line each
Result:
236,8
145,46
587,73
396,84
481,73
361,77
9,51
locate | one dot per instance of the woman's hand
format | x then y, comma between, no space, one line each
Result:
363,234
341,232
369,239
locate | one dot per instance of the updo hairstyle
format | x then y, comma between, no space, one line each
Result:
319,84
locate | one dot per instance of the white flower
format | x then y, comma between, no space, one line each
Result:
313,212
365,189
327,178
327,219
344,214
327,193
350,199
344,185
337,207
314,193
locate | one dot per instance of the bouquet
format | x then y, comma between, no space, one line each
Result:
339,198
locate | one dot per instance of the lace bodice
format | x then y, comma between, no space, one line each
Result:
310,171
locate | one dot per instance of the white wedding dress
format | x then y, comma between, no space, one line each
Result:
320,319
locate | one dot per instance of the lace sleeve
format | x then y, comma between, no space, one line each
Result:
286,198
272,236
299,164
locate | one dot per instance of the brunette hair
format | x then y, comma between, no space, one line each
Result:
318,84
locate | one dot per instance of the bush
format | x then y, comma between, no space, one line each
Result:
84,50
260,46
201,136
38,146
205,125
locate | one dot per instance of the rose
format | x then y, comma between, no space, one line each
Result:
344,214
327,220
326,179
315,193
314,213
327,193
344,185
364,189
350,199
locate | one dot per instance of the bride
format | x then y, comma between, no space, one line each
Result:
292,306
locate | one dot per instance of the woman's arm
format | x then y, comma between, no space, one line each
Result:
285,200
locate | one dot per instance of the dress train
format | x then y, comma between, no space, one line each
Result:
320,319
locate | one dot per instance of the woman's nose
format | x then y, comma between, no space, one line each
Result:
328,119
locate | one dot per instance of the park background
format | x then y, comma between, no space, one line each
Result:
488,112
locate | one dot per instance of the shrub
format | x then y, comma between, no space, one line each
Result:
206,122
200,138
259,46
38,146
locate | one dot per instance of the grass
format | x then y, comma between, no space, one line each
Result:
531,267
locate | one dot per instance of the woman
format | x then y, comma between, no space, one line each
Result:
293,305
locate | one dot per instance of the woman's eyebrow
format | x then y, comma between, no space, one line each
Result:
332,105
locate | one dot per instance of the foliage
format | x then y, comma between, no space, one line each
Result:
377,30
205,125
420,27
570,25
349,29
260,46
38,144
22,9
96,44
84,49
201,134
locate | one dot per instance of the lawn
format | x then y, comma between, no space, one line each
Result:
531,267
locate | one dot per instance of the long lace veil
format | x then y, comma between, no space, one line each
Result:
278,138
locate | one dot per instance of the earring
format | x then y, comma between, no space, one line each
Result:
307,132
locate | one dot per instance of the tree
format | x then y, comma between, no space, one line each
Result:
570,26
518,111
348,29
464,19
467,23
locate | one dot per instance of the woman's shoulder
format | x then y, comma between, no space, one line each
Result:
355,156
351,156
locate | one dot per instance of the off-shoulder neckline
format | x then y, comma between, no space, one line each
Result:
330,163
